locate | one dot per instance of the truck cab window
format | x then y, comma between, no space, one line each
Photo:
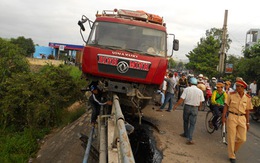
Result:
128,37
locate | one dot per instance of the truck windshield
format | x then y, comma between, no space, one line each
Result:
128,37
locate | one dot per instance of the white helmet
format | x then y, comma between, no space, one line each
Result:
200,76
213,78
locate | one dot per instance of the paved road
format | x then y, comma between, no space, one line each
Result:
64,145
250,152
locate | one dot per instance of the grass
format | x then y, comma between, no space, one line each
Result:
71,116
19,147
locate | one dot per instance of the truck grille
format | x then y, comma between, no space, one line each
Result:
123,66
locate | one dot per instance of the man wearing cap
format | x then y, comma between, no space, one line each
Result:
95,103
213,83
227,87
200,76
237,104
192,97
201,85
217,101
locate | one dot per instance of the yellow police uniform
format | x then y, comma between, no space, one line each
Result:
236,122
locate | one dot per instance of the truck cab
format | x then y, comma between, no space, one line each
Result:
126,52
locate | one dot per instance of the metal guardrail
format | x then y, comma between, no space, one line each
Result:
120,134
86,155
102,137
120,139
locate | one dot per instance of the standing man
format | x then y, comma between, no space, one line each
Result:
163,88
95,102
253,88
176,79
238,104
169,93
193,97
182,83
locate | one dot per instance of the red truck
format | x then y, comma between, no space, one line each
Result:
126,52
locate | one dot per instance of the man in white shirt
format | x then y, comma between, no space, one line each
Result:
176,79
193,97
162,90
253,88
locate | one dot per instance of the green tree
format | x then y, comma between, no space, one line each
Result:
31,100
26,44
11,60
33,103
218,34
180,66
205,57
172,63
248,67
21,98
253,51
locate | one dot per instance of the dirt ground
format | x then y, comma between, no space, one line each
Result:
207,148
64,145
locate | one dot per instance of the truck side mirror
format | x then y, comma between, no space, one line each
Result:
175,45
81,25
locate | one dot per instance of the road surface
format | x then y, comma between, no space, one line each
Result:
64,145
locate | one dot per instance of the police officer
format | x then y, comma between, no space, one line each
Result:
193,98
237,104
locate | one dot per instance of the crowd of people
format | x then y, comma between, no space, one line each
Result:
231,103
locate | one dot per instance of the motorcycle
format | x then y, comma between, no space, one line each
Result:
255,113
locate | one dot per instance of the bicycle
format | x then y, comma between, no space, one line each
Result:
205,105
210,127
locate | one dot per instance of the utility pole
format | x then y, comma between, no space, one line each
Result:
223,45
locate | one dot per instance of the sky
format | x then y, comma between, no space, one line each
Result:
47,21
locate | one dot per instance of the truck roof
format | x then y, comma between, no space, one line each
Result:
138,15
136,23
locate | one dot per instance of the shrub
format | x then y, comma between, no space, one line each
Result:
38,100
